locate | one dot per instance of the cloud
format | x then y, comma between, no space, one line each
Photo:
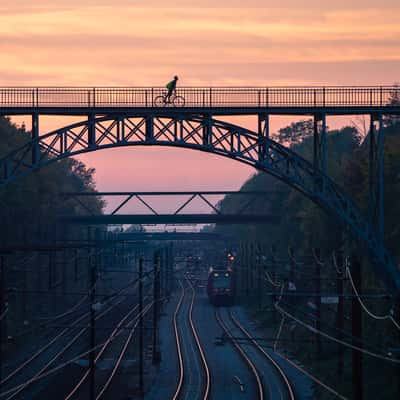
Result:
304,4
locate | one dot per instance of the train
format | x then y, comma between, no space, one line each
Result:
221,286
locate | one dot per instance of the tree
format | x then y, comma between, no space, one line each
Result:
394,100
296,132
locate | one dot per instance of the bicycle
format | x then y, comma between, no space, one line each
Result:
174,100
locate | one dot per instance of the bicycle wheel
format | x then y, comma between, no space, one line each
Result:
179,101
159,101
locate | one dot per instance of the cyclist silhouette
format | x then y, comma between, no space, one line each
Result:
171,86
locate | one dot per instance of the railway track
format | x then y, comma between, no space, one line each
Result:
35,358
288,392
53,340
122,353
187,342
243,354
277,382
111,346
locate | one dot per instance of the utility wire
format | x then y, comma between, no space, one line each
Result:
65,364
312,329
316,259
4,313
370,313
73,308
350,336
302,370
312,377
338,270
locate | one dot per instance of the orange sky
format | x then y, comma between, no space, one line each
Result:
85,42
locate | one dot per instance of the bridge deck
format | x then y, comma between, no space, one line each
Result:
213,100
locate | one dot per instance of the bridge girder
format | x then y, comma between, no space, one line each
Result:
206,134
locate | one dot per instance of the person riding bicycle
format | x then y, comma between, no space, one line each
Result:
171,86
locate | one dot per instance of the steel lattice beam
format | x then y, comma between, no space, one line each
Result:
180,130
152,219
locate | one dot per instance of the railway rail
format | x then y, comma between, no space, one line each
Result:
40,369
184,344
246,358
111,345
289,391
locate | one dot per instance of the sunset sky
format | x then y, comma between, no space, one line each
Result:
85,42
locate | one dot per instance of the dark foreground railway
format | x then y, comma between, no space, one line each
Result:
204,369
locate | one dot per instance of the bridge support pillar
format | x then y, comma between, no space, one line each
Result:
263,136
319,149
35,136
91,130
149,128
376,175
320,142
207,131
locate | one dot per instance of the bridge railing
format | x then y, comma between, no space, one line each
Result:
92,97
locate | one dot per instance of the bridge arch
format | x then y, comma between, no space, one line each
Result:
204,133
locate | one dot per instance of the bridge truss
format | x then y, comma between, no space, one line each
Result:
112,124
179,214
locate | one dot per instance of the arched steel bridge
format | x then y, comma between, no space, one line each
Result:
117,117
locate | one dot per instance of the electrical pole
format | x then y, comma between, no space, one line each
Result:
167,266
141,384
356,318
317,264
291,284
339,313
162,276
397,316
92,272
273,277
156,300
259,277
3,314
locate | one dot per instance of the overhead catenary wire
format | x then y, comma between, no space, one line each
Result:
4,313
338,270
370,313
346,344
271,281
74,307
65,364
343,332
279,332
312,377
106,300
276,341
316,259
285,315
350,336
49,343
